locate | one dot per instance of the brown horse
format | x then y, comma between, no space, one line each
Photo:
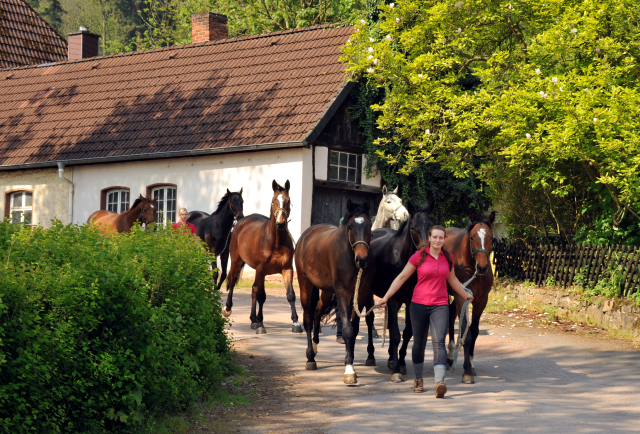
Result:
329,258
266,245
143,210
471,249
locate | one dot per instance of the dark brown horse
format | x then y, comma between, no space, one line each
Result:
392,250
266,245
142,210
471,249
328,259
215,229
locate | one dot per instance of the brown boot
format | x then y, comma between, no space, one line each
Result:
417,386
441,389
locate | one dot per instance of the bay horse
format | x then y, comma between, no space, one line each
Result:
391,211
265,244
328,259
215,229
471,249
392,250
142,210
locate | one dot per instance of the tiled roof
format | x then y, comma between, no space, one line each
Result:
260,89
27,39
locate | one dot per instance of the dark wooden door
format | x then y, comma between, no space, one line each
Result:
330,204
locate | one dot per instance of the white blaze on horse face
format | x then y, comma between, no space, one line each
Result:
481,233
359,220
349,370
280,204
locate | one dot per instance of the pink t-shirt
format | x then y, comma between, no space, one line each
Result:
190,228
431,289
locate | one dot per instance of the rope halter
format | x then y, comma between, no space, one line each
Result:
284,211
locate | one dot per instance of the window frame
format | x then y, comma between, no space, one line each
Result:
8,204
165,185
358,167
104,194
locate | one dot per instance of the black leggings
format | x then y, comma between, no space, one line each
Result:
421,318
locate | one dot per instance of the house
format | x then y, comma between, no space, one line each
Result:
26,38
184,123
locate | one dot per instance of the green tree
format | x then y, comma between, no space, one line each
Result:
54,13
556,111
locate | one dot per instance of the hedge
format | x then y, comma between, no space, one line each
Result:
99,332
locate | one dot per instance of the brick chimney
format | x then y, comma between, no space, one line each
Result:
83,44
208,27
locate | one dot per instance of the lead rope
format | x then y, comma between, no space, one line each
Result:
362,315
463,313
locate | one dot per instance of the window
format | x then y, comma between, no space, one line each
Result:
343,166
21,207
117,200
166,204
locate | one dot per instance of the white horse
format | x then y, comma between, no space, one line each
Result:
391,212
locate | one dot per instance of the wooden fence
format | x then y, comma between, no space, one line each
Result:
539,263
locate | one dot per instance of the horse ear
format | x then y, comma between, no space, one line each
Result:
349,206
395,191
473,216
275,186
384,190
228,192
492,217
411,208
286,186
240,192
366,205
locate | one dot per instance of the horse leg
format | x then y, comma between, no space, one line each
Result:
308,299
349,334
234,273
394,341
325,299
260,297
287,275
478,308
407,334
453,313
467,376
371,360
224,259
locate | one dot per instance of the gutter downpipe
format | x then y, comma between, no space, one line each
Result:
60,175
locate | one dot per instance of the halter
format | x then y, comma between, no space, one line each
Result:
284,211
393,213
142,214
233,211
473,252
353,245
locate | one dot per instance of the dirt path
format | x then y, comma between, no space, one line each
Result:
529,379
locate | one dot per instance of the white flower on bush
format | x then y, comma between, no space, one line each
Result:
554,80
370,70
597,50
510,7
397,20
370,49
427,131
371,39
375,61
389,38
392,5
363,22
370,57
542,94
459,4
528,136
459,30
420,75
538,71
595,119
573,31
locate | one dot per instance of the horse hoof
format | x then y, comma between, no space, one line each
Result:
226,313
254,325
403,369
468,379
389,364
473,371
311,366
397,378
315,347
370,362
350,379
374,333
296,328
261,330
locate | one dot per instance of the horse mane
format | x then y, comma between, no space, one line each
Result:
357,208
134,204
224,201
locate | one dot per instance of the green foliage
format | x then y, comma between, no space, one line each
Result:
98,332
54,13
550,282
555,111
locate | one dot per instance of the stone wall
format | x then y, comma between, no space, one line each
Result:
608,313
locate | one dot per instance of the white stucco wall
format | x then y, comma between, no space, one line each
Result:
375,180
50,193
322,162
201,181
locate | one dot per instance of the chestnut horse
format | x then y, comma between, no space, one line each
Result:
471,249
215,229
328,258
266,245
142,210
392,250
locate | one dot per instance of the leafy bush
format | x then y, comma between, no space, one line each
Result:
97,332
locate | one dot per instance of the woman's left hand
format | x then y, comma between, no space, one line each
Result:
469,297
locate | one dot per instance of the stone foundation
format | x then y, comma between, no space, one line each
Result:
608,313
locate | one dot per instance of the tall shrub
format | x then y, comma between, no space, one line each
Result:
97,332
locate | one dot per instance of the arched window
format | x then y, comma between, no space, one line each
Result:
20,207
166,203
117,200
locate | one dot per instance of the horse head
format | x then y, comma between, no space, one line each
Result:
358,227
480,236
280,203
419,224
236,204
147,211
391,210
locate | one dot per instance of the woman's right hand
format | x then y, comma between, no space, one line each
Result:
382,302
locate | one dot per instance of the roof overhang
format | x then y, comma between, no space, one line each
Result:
157,155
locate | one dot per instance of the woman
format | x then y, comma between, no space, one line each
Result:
183,224
430,304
